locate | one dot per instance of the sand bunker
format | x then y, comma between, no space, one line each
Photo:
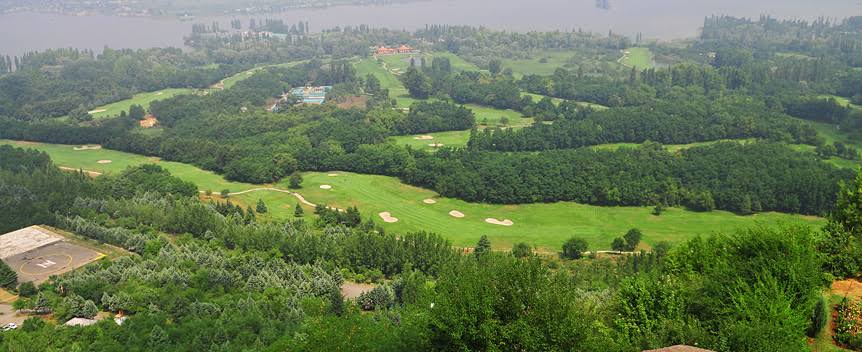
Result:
506,222
387,217
325,187
96,111
424,138
104,161
332,175
429,201
435,145
456,214
88,147
160,93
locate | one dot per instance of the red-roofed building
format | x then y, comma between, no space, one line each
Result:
403,49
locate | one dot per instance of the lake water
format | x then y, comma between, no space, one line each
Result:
661,19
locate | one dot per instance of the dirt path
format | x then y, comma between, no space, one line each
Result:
88,172
271,189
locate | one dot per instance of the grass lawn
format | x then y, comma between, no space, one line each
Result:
143,99
543,225
640,58
494,117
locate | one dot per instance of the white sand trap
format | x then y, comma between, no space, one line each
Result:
96,111
429,201
436,145
332,175
88,147
424,138
325,187
104,161
506,222
387,217
456,214
160,93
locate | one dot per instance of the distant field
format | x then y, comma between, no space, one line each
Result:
543,225
835,161
397,90
143,99
543,63
640,58
448,139
494,117
669,147
557,101
67,156
842,100
401,62
389,81
233,80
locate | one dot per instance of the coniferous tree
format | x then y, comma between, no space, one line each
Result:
8,277
483,246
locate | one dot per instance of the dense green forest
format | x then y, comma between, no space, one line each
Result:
226,282
746,103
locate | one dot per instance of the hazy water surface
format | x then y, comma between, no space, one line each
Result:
663,19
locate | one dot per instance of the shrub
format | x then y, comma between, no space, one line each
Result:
819,317
381,297
848,324
27,289
522,250
574,248
8,277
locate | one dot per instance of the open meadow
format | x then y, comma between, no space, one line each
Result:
542,225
